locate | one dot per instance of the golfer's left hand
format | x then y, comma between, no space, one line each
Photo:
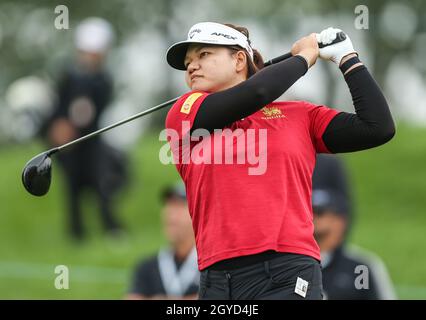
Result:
335,52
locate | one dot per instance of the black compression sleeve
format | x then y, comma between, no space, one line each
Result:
371,126
222,108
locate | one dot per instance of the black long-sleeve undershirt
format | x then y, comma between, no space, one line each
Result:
225,107
370,126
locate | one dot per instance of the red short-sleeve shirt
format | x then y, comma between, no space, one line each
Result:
249,185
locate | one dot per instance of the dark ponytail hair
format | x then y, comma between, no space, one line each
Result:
257,63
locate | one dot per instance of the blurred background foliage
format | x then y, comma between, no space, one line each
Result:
388,182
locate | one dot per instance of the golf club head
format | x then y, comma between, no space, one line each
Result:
37,174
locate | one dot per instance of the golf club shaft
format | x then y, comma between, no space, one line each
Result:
119,123
143,113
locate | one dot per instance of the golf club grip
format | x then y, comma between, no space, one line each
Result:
341,36
277,59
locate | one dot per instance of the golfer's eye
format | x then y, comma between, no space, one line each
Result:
187,63
204,53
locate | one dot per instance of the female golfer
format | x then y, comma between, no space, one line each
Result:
253,228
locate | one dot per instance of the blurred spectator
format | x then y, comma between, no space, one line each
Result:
84,92
339,262
173,272
330,173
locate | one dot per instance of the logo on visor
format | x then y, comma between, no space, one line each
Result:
191,34
227,36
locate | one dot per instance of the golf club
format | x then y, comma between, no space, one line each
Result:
37,173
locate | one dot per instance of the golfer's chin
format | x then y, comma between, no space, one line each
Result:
201,85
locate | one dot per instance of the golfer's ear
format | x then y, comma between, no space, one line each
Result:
241,61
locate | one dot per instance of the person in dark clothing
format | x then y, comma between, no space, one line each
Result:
348,273
84,91
172,273
330,173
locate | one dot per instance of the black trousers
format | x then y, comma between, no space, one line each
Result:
273,279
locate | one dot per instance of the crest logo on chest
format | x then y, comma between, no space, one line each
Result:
272,113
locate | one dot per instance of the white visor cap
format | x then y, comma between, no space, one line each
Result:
208,33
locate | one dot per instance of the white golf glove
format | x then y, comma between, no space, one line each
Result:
337,51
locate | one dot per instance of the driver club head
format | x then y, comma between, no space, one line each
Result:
37,174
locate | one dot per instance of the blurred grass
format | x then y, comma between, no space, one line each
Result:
389,184
33,230
388,188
